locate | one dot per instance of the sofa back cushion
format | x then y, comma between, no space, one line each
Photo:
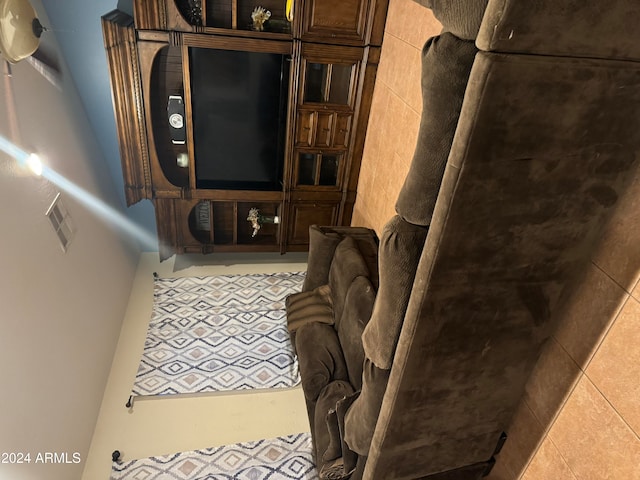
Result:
322,245
400,249
323,241
446,65
347,264
355,315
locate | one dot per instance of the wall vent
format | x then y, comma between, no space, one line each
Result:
61,222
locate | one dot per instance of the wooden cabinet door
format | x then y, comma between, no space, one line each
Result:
324,129
342,129
305,128
336,21
303,215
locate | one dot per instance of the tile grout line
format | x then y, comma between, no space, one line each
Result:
592,382
575,475
606,333
596,348
595,352
547,429
569,393
552,422
629,291
535,451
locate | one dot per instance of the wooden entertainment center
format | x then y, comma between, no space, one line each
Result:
332,48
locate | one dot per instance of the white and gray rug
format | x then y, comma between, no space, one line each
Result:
282,458
219,333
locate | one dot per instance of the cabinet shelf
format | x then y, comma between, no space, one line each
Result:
232,14
219,224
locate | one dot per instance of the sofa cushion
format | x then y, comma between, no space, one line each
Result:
356,314
368,247
361,418
308,307
320,358
322,244
460,17
328,397
584,28
544,154
400,249
347,264
446,65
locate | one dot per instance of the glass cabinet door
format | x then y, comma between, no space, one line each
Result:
328,83
318,169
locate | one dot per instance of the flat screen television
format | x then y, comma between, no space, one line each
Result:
239,106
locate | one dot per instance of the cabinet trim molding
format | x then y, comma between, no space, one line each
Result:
122,55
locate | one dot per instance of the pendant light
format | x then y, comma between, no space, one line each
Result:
20,30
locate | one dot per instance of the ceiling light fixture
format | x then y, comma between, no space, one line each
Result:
20,30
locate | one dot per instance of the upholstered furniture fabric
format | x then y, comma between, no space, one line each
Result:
346,266
361,419
320,358
322,244
541,157
520,160
357,311
308,307
321,433
460,17
401,245
572,28
446,64
326,324
323,241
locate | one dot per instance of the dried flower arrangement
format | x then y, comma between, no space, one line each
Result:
259,16
257,219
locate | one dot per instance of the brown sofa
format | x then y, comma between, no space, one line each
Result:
412,367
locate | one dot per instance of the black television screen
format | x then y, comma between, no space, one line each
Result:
239,104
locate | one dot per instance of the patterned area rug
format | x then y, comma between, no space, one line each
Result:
277,459
211,334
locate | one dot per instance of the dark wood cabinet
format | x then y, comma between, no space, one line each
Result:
329,53
335,21
305,214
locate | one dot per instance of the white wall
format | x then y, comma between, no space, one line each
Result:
77,28
60,314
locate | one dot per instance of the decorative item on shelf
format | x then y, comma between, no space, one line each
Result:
259,16
192,10
203,216
289,10
257,219
182,160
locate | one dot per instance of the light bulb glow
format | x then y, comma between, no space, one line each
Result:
35,164
112,216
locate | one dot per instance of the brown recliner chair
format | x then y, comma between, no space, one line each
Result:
538,150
